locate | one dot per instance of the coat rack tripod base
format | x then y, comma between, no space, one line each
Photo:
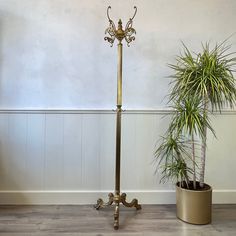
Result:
117,198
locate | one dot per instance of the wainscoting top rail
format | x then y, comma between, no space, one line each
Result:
96,111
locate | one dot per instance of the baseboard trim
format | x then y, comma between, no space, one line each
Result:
224,196
81,197
90,197
98,111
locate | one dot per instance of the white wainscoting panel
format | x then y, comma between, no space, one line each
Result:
72,151
35,152
68,157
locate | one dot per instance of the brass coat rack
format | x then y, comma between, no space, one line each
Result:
128,35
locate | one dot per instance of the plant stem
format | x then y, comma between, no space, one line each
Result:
203,148
194,161
187,181
186,174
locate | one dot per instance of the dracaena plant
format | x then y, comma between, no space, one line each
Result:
202,83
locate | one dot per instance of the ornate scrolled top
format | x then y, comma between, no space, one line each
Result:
118,33
108,16
135,12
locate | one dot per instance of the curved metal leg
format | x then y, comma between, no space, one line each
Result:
133,203
101,203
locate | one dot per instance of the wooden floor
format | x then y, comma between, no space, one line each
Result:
84,220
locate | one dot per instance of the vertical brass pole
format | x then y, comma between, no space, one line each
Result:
119,34
119,75
118,148
118,136
118,118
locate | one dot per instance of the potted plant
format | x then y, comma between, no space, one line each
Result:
203,83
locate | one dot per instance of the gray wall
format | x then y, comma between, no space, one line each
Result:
52,52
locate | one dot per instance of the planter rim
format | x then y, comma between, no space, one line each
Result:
192,190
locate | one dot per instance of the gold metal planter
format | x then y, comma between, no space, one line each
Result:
194,206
